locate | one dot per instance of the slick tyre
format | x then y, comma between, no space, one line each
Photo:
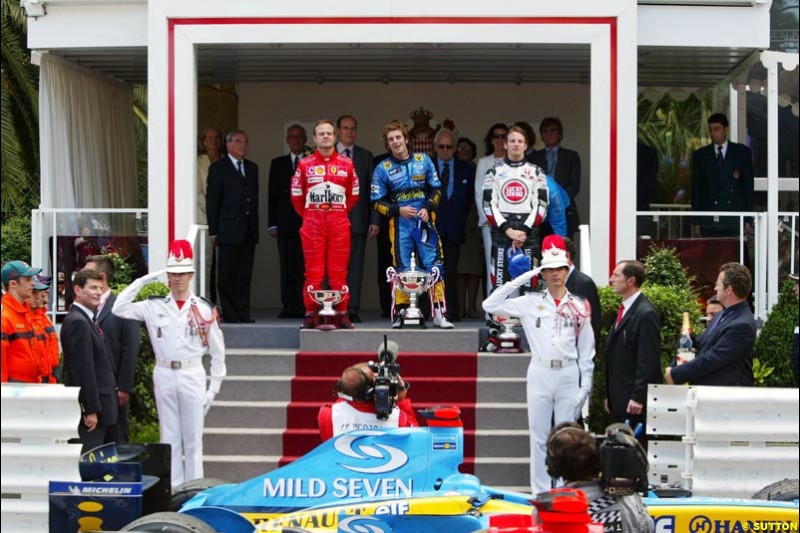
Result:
186,491
167,522
786,490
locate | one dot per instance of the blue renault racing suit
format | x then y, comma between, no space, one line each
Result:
413,183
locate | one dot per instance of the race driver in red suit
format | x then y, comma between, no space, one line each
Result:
324,190
355,408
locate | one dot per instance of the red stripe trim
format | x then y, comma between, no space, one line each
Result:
611,21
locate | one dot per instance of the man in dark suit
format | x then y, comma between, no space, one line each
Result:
88,362
722,180
232,207
123,338
562,164
633,348
725,350
364,221
458,187
284,223
383,243
582,285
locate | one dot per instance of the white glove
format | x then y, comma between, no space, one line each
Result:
582,395
207,402
152,276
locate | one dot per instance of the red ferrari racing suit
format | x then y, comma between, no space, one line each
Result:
324,190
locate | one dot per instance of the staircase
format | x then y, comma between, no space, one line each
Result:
266,412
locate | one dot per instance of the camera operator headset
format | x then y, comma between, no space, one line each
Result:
610,476
356,406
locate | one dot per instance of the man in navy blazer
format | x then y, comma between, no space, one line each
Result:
88,363
722,180
458,186
725,352
633,348
364,221
232,207
284,223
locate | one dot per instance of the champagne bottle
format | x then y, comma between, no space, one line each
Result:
685,352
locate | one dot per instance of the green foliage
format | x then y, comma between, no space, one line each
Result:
774,343
123,272
142,409
16,241
671,301
674,129
145,433
663,267
19,115
761,372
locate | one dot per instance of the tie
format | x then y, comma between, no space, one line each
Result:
446,181
551,162
716,321
239,167
347,152
296,161
95,325
619,314
720,157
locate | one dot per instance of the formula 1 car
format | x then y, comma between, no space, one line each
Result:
407,480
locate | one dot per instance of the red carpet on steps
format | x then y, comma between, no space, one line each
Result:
443,378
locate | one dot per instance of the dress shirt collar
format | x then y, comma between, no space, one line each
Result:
724,149
629,302
236,163
552,149
340,148
88,312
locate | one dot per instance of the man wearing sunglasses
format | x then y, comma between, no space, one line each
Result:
458,183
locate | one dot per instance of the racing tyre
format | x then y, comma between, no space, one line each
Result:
786,490
167,522
186,491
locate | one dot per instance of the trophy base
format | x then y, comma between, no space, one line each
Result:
508,346
327,322
415,323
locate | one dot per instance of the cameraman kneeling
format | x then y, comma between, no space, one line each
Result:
355,408
572,455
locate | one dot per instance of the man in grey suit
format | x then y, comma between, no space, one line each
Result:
123,338
364,222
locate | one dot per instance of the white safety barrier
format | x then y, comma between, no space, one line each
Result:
735,440
37,421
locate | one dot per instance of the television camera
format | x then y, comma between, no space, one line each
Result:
387,379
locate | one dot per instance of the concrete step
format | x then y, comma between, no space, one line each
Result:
503,364
463,338
438,390
255,388
510,472
412,364
257,361
502,389
272,333
264,414
243,441
238,468
509,415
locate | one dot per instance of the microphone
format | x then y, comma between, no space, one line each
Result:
387,351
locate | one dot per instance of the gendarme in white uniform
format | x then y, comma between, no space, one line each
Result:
179,337
559,375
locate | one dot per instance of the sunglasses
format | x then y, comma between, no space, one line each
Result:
499,136
445,147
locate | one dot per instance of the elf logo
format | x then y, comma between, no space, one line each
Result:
514,191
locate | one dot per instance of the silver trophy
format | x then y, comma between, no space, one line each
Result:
508,341
327,317
413,282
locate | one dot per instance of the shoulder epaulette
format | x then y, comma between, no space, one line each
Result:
577,298
208,302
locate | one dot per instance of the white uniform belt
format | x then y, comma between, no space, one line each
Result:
178,365
555,364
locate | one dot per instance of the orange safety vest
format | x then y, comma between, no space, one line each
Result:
23,358
46,333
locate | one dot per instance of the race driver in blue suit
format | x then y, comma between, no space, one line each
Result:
406,189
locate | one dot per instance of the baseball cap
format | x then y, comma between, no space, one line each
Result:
17,269
41,282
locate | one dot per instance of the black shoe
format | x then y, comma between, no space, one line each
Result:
453,317
345,322
231,320
385,314
248,321
398,320
309,321
355,318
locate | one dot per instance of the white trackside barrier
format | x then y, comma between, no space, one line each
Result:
37,421
735,440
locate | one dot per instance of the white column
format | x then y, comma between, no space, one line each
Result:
772,65
185,134
600,117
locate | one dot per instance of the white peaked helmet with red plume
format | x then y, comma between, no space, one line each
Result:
180,259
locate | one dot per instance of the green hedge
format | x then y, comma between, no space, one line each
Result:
15,244
774,343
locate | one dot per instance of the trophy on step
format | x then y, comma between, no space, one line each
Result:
327,317
508,341
413,282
